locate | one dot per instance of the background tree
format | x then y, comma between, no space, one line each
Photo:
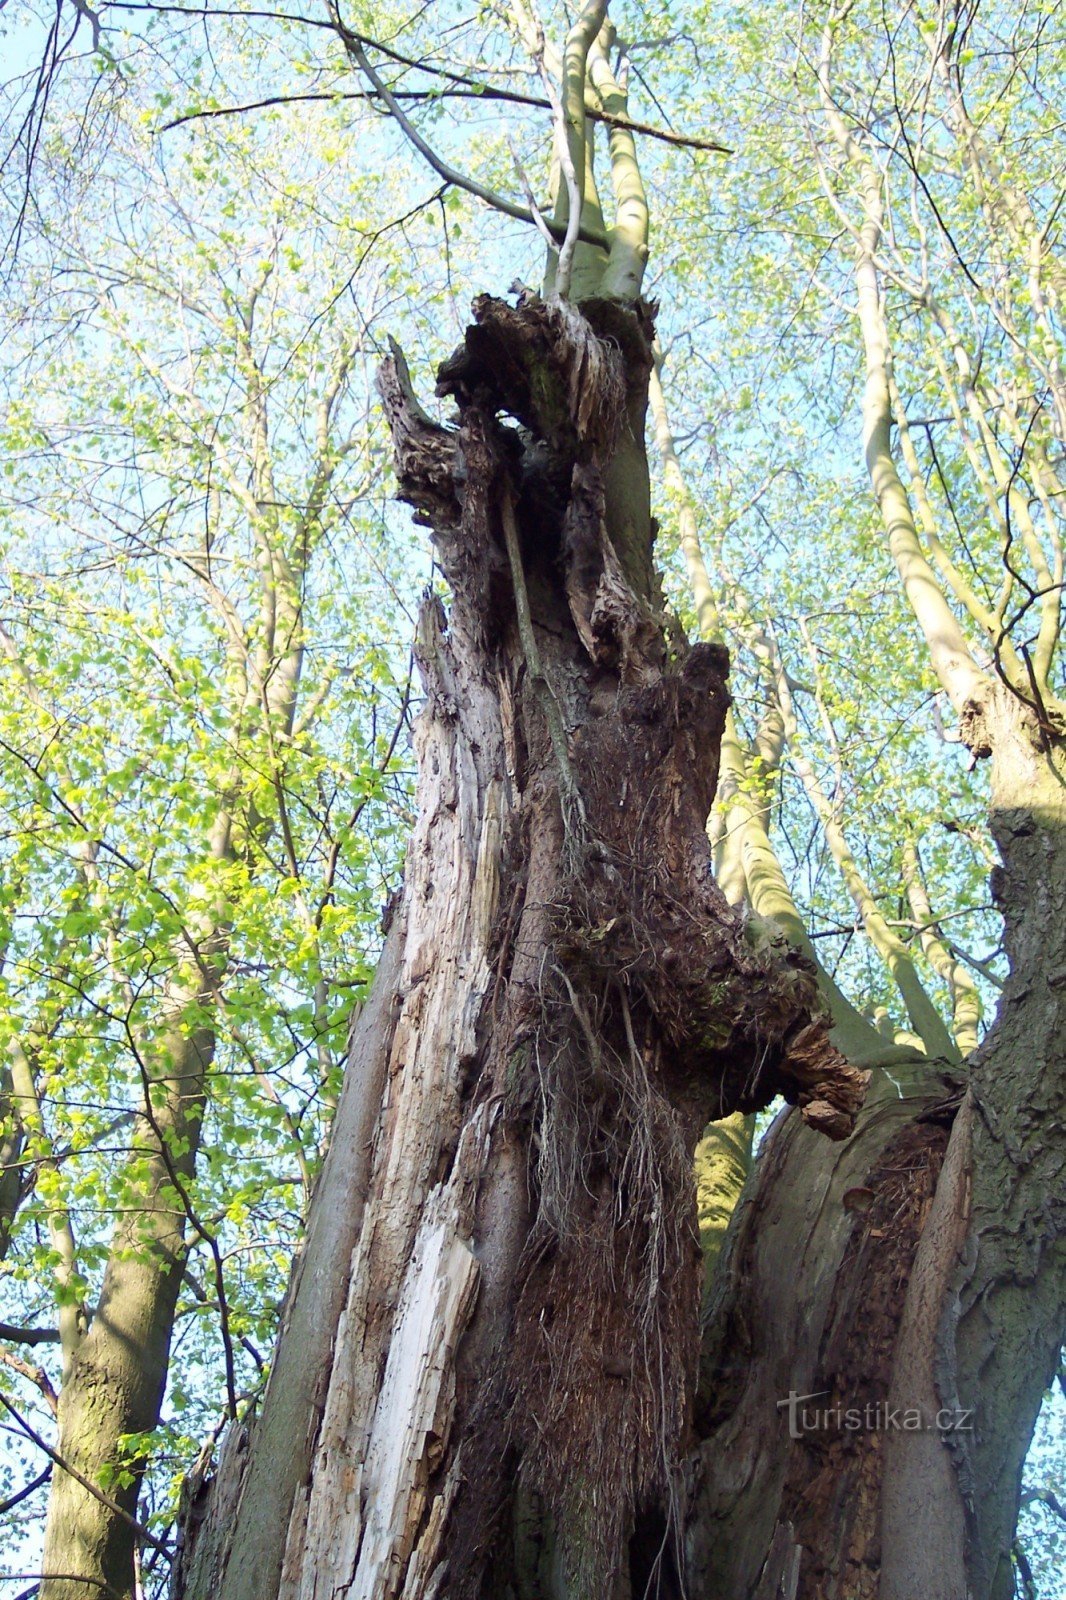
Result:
196,863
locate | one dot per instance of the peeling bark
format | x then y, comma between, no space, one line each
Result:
508,1396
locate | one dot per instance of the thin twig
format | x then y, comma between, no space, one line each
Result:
98,1494
466,89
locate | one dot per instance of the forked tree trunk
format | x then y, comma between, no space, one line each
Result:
485,1378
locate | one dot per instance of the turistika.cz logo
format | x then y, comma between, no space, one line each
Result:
876,1416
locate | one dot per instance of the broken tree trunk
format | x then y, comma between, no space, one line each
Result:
494,1393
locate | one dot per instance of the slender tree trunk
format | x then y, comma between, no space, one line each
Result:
116,1372
502,1404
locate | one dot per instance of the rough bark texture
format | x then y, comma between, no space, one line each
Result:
1004,1315
907,1272
487,1374
507,1399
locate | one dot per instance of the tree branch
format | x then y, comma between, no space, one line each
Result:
98,1494
24,1493
466,89
15,1335
36,1375
441,167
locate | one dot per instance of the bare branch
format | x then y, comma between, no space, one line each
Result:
30,1336
36,1375
113,1506
475,91
443,169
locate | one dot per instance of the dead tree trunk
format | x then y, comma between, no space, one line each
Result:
491,1392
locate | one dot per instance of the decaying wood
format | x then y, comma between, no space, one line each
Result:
508,1397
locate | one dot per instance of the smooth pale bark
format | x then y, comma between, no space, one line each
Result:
989,620
949,652
576,202
924,1018
624,273
965,996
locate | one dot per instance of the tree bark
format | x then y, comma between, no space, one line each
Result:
1004,1316
114,1384
499,1391
920,1271
507,1399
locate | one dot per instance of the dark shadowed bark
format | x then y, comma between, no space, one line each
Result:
916,1271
